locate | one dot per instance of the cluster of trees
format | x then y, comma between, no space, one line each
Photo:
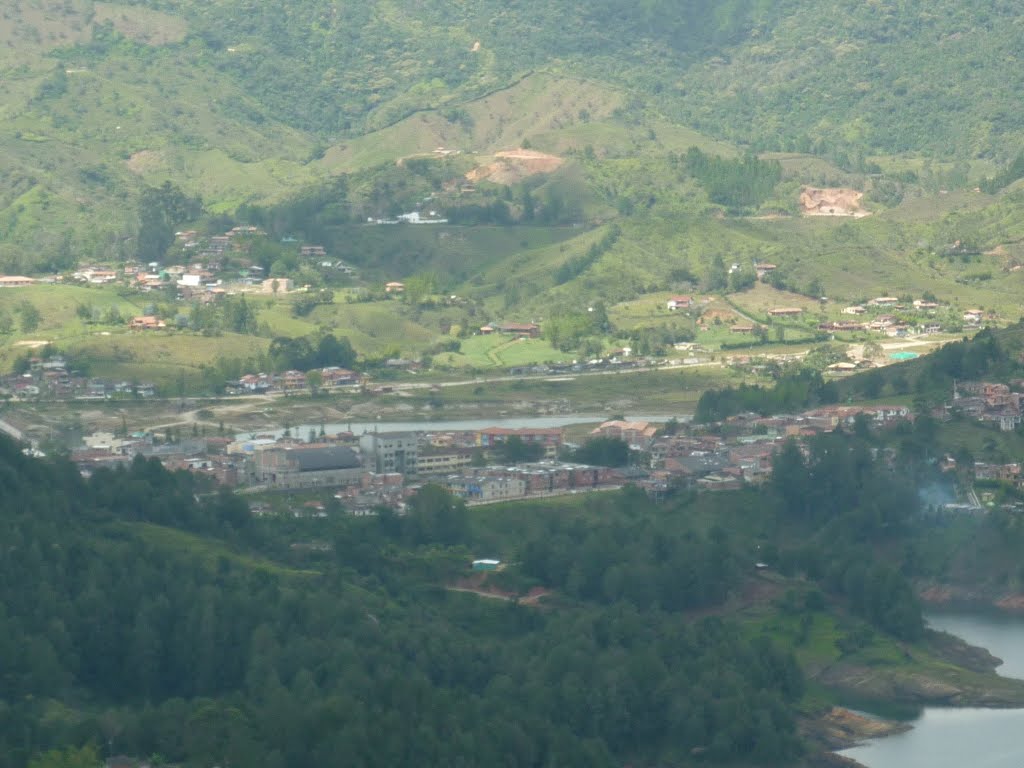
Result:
981,356
577,265
123,598
1010,174
657,339
603,452
303,353
161,209
569,329
235,315
719,278
515,450
648,562
989,355
795,391
26,318
740,184
307,302
852,501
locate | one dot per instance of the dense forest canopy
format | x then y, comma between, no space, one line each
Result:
791,75
159,649
164,619
239,104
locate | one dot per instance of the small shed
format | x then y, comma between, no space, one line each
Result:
486,565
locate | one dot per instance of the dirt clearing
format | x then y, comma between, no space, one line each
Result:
514,165
834,201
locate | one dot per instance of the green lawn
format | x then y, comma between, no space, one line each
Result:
500,351
669,392
209,551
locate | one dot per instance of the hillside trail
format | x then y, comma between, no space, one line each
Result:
532,598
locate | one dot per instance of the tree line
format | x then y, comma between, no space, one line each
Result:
150,609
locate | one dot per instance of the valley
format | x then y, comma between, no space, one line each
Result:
533,383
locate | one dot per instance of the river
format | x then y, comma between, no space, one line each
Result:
464,425
961,738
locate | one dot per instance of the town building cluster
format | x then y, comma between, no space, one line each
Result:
377,469
986,402
330,377
50,376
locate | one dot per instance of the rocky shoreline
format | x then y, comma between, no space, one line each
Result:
841,728
970,682
948,596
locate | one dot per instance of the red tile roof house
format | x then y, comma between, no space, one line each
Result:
146,322
679,302
293,380
333,376
639,433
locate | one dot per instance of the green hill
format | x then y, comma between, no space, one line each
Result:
240,106
309,120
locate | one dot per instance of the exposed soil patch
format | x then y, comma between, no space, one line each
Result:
145,160
833,201
514,165
477,585
725,316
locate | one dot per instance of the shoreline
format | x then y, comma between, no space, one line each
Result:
973,683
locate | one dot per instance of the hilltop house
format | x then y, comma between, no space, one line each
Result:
679,302
785,312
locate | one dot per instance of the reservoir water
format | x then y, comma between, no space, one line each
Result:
961,738
457,425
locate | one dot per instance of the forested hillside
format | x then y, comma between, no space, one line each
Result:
132,620
237,103
148,622
143,614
